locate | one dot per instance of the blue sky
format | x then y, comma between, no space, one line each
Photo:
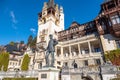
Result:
18,18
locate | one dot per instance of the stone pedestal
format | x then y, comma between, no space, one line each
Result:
49,74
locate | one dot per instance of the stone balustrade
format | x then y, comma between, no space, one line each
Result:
78,39
104,69
88,70
19,74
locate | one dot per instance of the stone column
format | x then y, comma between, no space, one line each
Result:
70,52
103,43
56,51
62,53
90,52
79,50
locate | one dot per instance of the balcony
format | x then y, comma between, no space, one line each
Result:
78,39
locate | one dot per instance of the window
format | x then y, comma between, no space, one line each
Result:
13,63
75,65
111,5
103,26
66,64
98,62
10,63
42,38
40,65
97,49
115,19
110,24
87,51
58,62
16,64
118,43
86,62
19,62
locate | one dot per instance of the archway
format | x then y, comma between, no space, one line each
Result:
86,78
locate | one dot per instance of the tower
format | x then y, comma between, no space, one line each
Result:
50,21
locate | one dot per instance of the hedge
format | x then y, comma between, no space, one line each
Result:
20,79
116,79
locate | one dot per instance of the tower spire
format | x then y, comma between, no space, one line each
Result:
51,3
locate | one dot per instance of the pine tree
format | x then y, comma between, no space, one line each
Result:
33,44
25,63
34,41
30,39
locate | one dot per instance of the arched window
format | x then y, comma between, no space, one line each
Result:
40,65
75,65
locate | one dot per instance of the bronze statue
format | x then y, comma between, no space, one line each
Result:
50,50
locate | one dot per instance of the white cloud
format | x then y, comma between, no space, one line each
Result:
33,30
13,18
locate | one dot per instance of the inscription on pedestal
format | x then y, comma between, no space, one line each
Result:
43,76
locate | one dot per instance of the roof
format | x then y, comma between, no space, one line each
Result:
15,49
74,24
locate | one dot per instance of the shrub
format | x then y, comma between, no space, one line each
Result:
20,79
4,61
114,57
25,63
116,79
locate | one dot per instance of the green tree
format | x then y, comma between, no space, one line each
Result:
1,56
12,43
33,44
30,39
4,61
113,56
25,63
22,42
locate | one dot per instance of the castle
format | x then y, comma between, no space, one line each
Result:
81,44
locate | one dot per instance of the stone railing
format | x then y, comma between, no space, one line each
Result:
104,69
79,39
19,74
81,70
